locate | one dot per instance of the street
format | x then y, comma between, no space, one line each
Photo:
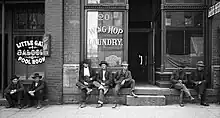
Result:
73,111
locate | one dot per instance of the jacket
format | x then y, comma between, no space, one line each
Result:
82,78
19,87
120,76
178,75
40,86
108,77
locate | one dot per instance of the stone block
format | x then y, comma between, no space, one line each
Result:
146,100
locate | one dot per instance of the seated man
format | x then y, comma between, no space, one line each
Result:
124,79
179,80
199,80
14,92
103,82
36,91
86,77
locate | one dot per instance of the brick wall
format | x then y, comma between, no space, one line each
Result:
54,63
71,45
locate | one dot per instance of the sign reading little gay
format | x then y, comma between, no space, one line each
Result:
29,50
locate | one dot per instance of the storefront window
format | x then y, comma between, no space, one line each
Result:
184,1
105,37
106,1
29,17
184,38
29,57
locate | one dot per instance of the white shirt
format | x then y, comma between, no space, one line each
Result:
86,71
36,84
103,76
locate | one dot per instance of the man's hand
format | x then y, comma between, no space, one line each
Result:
180,81
103,84
123,82
86,83
31,93
91,79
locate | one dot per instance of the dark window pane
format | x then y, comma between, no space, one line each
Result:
106,2
184,1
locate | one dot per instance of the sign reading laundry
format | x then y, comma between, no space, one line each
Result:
29,50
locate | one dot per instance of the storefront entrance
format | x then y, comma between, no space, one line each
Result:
140,41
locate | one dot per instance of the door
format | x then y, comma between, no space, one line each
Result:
150,58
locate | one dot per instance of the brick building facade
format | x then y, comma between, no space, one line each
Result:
67,23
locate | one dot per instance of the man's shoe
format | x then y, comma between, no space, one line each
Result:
115,105
19,107
39,106
9,106
99,105
181,105
134,95
82,105
192,98
204,104
26,106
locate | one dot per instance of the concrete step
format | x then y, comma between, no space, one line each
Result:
3,102
163,84
146,100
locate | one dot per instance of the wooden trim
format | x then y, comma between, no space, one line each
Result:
22,1
163,39
3,48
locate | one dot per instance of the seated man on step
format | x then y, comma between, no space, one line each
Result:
124,79
36,91
85,83
103,82
199,80
14,92
179,81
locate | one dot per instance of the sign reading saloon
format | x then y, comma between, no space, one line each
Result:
29,50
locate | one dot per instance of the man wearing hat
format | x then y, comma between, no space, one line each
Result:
199,80
124,79
14,92
103,82
86,77
36,91
179,81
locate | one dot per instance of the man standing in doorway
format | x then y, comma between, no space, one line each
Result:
199,80
124,79
103,83
86,77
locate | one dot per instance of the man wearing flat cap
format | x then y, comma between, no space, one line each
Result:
85,83
36,91
124,79
14,92
199,80
103,82
179,81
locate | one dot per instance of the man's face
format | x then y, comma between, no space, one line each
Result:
200,68
36,79
15,81
85,65
103,66
125,67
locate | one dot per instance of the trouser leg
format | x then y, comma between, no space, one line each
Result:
39,96
8,97
130,84
183,88
81,85
116,91
101,96
83,95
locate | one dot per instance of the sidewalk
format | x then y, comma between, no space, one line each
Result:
73,111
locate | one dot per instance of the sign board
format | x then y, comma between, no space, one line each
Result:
214,9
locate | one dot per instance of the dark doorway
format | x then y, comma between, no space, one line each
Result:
138,51
140,24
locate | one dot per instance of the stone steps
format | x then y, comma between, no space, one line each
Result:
146,100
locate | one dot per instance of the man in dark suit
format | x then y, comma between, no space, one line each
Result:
36,91
14,92
124,79
199,80
103,82
86,77
179,81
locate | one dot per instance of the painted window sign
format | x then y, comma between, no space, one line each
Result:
29,50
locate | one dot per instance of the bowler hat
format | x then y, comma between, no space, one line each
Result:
103,62
86,61
200,63
15,77
36,75
124,63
